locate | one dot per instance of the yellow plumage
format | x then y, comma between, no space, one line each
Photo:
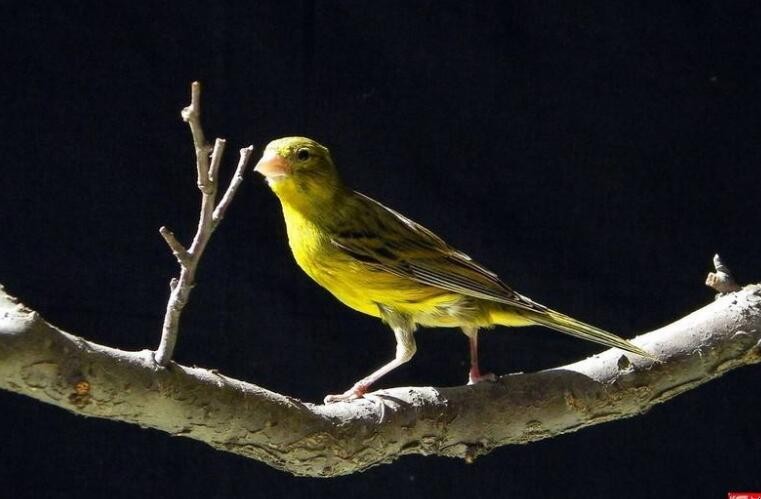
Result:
380,263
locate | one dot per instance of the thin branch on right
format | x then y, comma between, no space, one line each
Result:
721,280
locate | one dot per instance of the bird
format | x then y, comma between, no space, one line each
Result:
381,263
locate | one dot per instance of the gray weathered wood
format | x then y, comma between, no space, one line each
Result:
50,365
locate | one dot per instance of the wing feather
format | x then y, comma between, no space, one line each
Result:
391,242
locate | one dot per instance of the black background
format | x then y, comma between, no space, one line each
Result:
595,155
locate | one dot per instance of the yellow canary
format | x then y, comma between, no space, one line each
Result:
383,264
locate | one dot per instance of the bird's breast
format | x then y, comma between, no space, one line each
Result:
306,240
327,265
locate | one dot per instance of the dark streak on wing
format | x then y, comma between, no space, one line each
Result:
416,253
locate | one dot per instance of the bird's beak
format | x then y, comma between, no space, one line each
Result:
272,165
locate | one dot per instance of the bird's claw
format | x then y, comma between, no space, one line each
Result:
355,392
477,377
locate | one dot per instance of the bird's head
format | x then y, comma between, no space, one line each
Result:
299,170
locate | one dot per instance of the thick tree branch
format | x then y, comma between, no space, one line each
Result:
43,362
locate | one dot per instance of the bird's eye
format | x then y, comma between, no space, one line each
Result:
302,154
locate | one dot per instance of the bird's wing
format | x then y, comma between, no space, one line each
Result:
389,241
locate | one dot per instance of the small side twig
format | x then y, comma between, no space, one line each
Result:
721,280
219,212
216,159
210,216
178,249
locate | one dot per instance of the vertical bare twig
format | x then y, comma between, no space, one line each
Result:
210,216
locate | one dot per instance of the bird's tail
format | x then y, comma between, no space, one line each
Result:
568,325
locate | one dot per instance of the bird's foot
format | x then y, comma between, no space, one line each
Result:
475,376
355,392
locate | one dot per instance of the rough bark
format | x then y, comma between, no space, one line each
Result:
43,362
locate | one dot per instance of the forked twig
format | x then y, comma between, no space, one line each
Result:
210,216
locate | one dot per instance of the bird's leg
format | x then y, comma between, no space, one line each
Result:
405,349
475,376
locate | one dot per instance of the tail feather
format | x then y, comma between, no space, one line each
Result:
568,325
